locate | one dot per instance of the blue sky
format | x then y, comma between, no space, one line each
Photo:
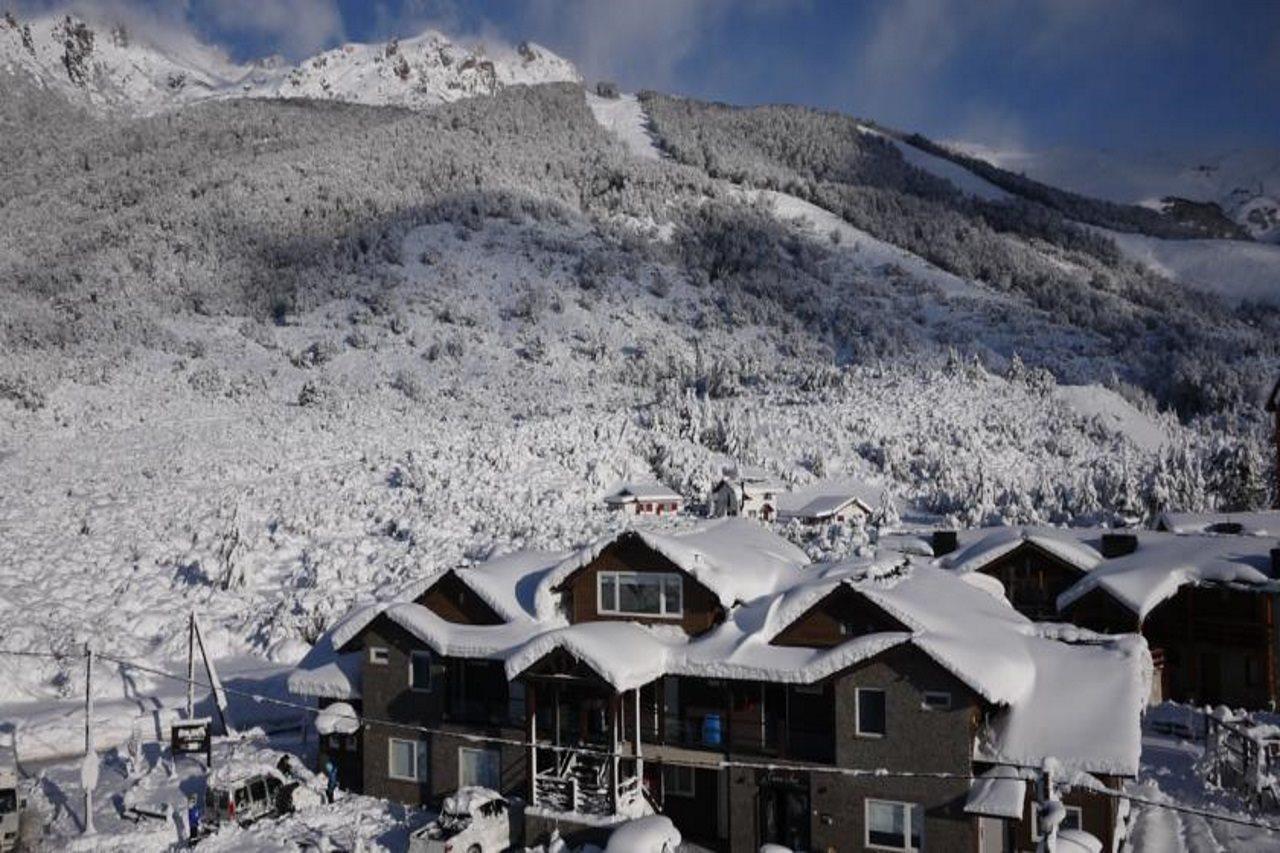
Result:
1128,74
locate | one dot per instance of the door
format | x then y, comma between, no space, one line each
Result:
993,835
1210,678
784,814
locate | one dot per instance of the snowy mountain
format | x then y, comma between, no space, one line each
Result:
108,67
1244,183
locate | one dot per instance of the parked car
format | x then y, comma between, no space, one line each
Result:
244,792
473,820
12,802
653,833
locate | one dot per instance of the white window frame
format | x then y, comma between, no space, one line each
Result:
910,809
484,750
380,655
857,712
669,790
943,694
420,750
618,577
1070,810
414,655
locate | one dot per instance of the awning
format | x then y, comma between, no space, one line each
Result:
1000,792
337,718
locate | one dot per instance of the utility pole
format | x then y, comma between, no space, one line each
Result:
191,665
88,770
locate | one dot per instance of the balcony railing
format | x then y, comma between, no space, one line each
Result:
772,738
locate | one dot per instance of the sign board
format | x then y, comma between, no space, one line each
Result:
191,737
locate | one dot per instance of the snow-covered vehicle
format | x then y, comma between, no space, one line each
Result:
12,802
473,820
248,789
650,834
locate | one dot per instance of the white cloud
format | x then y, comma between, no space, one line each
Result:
293,27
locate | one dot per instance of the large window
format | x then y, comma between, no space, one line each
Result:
641,593
894,826
871,712
407,760
481,767
420,671
678,780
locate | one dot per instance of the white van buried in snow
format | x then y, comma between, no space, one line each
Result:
12,802
473,820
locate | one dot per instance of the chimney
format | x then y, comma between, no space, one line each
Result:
1275,562
1119,544
943,542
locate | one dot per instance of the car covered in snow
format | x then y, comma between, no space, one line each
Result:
473,820
250,788
12,802
653,833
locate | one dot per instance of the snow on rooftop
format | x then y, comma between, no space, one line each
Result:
985,546
825,497
1059,691
1165,562
326,674
645,491
738,560
1264,523
1000,792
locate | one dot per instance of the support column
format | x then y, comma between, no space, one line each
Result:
639,752
532,711
615,705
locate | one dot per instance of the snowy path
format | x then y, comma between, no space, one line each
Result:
624,117
1169,774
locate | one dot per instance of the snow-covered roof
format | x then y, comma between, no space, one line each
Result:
826,497
1165,562
1057,690
999,792
738,560
326,674
1263,523
984,546
647,491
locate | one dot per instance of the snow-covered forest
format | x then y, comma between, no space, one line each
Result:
279,354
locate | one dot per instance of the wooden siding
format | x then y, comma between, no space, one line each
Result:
841,615
701,607
453,601
1033,579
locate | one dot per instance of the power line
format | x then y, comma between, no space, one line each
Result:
718,764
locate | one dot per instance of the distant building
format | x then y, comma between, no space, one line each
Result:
1207,604
826,509
749,493
645,499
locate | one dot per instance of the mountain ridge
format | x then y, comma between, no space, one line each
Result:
107,68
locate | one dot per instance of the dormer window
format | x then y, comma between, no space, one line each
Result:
655,594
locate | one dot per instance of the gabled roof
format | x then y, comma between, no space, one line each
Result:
1163,563
648,491
736,559
986,545
825,506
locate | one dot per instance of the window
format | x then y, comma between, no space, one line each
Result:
481,767
894,826
677,781
1073,819
258,790
420,671
379,654
871,712
407,760
641,593
936,700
